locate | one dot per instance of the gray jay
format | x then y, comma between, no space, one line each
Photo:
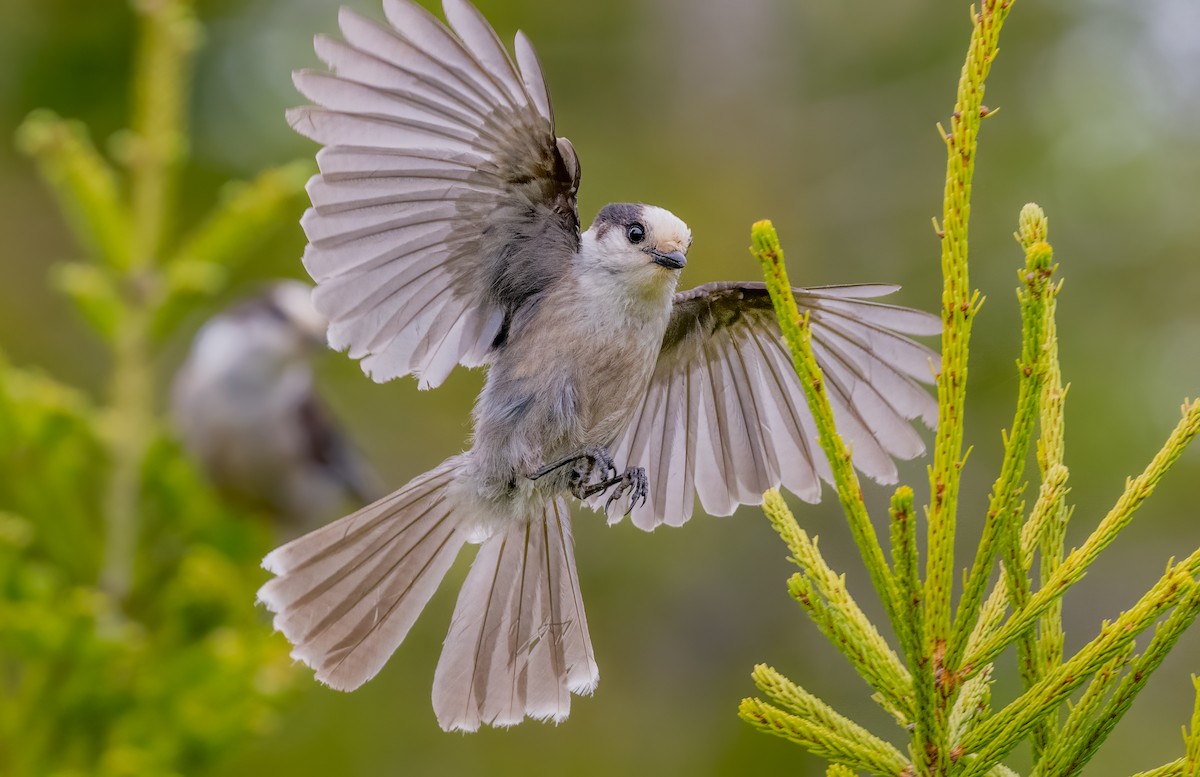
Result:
444,231
246,410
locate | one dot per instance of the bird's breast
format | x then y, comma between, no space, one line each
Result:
570,377
611,385
614,362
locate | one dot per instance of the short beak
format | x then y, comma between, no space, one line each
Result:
675,260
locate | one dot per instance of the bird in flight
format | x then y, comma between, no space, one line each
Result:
444,230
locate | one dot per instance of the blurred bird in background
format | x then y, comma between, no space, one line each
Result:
247,411
444,230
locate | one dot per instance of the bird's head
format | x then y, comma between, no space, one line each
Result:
646,244
262,344
275,329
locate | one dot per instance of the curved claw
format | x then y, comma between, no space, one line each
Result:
632,480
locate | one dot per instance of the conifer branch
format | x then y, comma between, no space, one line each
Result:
1080,741
943,689
798,335
999,734
823,594
821,740
83,182
1075,566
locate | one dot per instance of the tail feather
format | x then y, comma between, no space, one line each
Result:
518,644
347,594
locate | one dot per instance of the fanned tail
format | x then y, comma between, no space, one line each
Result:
518,644
346,594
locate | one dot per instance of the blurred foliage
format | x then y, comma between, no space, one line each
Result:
163,684
129,639
816,114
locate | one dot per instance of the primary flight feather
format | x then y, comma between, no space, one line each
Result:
444,230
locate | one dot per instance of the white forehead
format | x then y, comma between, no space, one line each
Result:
665,225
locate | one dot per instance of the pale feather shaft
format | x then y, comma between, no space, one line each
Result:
347,594
445,202
724,417
518,644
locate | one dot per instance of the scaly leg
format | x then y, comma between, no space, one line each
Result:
586,461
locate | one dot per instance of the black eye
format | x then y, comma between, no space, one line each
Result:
636,233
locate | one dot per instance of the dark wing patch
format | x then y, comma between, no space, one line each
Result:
725,418
444,202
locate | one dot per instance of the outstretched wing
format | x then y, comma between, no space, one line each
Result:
444,201
725,416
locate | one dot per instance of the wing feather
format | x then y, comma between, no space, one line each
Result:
410,80
390,46
334,196
347,163
684,471
725,418
800,470
864,393
669,428
758,427
481,40
721,479
341,93
444,201
425,32
531,74
900,389
848,413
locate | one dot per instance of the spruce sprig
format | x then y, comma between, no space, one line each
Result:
938,684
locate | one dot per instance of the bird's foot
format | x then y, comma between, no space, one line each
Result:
591,462
632,481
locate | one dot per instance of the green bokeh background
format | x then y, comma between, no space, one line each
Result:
818,115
